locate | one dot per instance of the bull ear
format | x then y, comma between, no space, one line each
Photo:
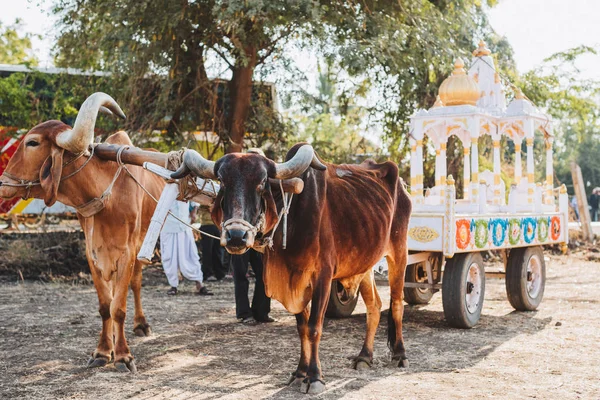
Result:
50,175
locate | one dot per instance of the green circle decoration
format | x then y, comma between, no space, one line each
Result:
542,226
514,230
481,233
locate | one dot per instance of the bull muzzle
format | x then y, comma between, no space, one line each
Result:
238,235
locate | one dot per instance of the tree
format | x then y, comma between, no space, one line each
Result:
558,88
15,49
162,52
159,50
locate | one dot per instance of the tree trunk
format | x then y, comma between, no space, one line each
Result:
240,94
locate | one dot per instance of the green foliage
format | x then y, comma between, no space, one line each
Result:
332,121
14,48
557,87
27,99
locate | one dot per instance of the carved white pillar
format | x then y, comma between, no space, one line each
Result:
466,169
474,171
438,164
419,171
443,164
549,171
497,178
530,177
518,168
413,167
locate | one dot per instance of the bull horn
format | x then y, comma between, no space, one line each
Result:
304,157
78,139
195,163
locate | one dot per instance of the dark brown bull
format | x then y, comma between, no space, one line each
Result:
53,163
346,219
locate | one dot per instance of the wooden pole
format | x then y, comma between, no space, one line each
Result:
582,204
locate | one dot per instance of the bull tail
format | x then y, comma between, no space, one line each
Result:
391,330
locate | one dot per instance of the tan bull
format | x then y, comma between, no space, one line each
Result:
54,162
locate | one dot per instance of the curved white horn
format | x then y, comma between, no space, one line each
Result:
79,138
198,165
297,164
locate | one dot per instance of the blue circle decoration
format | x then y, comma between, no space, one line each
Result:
529,229
498,229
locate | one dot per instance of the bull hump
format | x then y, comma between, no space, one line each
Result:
342,172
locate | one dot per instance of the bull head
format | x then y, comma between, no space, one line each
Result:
35,170
245,205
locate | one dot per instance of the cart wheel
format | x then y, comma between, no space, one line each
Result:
52,219
417,273
34,222
525,278
341,304
463,290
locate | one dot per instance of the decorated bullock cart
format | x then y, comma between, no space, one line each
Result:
448,235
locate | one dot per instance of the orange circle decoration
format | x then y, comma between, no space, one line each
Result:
463,233
555,228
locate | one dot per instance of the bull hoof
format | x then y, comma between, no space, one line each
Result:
316,387
362,363
295,380
403,363
126,366
142,330
97,362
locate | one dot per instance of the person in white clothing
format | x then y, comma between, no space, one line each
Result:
179,252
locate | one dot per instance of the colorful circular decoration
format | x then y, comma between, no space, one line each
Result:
498,231
514,231
542,224
555,227
481,233
529,225
463,233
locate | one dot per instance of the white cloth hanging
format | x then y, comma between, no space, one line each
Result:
178,249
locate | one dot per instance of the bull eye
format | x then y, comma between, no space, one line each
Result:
32,143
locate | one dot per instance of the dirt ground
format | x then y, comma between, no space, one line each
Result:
199,351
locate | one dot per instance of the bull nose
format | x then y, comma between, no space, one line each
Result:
236,238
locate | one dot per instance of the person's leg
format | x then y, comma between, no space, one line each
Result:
189,261
207,255
168,252
261,304
220,268
240,282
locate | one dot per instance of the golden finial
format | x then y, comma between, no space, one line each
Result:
519,94
450,180
459,88
496,78
563,189
482,50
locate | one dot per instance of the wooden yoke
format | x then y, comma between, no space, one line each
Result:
132,155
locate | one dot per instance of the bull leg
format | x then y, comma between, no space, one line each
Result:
140,325
118,310
101,356
313,383
368,291
302,324
397,269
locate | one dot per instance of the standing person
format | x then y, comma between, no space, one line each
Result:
261,304
212,266
575,207
178,250
594,203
